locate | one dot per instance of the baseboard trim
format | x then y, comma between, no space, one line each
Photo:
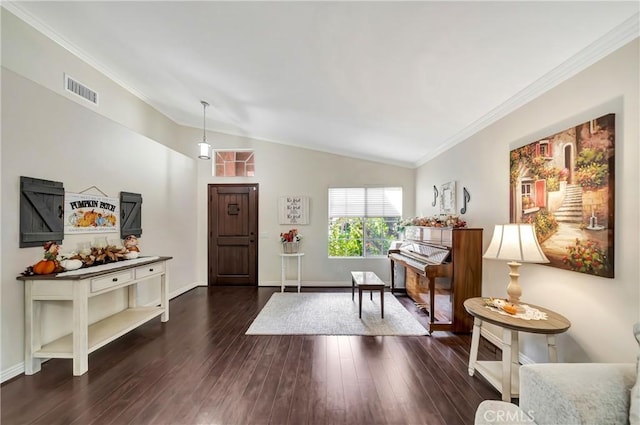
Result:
12,372
18,369
184,289
313,284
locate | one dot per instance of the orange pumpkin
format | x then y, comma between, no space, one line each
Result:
44,267
510,308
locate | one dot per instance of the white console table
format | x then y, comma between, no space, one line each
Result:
77,287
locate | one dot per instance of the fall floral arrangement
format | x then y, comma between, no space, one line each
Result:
86,258
435,221
290,236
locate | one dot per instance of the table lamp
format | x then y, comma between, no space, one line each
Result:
516,243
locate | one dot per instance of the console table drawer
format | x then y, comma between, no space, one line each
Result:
148,270
111,280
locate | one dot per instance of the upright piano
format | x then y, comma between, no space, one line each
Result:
443,261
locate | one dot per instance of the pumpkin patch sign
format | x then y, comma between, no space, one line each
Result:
90,214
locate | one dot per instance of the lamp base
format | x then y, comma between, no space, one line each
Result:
514,291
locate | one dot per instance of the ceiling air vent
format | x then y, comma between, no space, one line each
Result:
80,89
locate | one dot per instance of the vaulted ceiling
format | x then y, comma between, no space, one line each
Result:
396,82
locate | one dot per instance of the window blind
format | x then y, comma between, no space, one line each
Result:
365,202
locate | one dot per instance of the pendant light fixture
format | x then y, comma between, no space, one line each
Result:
205,148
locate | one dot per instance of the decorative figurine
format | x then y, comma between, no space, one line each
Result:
131,243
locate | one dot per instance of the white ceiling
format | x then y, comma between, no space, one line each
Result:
396,82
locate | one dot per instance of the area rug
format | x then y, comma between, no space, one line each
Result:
308,313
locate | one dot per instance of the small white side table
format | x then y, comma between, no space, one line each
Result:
283,257
504,375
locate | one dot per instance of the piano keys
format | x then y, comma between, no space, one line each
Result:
449,262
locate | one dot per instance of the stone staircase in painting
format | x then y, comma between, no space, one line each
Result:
571,209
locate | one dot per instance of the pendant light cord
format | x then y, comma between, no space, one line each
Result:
204,121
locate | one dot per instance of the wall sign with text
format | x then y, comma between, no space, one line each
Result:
293,210
90,214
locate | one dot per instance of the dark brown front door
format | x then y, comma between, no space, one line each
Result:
233,229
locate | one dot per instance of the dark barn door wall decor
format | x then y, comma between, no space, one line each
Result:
233,230
131,218
41,211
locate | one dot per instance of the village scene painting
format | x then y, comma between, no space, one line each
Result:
564,186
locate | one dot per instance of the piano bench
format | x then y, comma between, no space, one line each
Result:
367,281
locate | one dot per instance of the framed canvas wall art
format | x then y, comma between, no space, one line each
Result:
564,184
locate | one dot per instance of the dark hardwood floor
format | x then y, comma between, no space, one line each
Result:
200,368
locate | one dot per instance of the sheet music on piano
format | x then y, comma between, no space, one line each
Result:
433,254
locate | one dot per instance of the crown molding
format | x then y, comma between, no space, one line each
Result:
610,42
607,44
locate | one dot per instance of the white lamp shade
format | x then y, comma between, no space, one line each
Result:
205,150
515,242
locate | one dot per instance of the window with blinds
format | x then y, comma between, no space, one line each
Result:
363,221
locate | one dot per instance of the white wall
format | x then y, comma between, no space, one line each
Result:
47,134
285,170
55,139
602,311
